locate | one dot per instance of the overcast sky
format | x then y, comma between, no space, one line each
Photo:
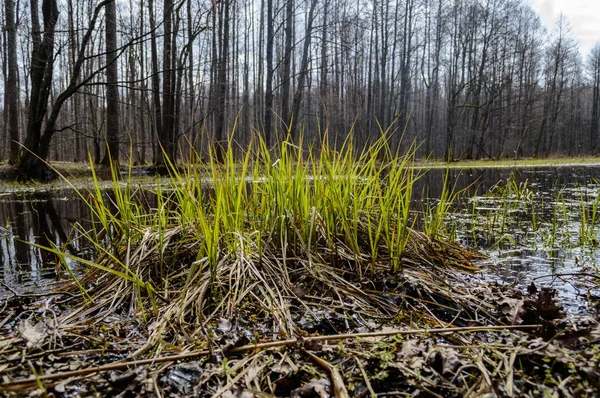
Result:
583,15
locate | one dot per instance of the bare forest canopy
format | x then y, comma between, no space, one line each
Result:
463,78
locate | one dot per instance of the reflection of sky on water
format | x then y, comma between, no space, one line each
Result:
522,250
556,272
41,218
522,254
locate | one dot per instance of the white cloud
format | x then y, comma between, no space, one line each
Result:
583,16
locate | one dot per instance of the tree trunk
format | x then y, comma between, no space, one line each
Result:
323,82
303,73
11,94
157,119
405,65
287,66
113,133
222,86
594,65
168,110
191,95
268,123
31,163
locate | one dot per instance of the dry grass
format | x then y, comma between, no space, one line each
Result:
272,250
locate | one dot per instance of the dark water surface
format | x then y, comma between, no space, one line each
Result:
519,251
44,218
533,237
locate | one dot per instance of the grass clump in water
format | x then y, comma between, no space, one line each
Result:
264,229
257,254
259,230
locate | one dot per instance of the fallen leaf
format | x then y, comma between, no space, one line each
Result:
33,334
512,308
319,388
239,393
411,349
224,325
445,361
60,387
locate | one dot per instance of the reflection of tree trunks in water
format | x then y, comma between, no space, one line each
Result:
56,225
40,219
35,221
41,230
21,248
47,233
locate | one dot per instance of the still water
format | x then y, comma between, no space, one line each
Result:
532,237
45,218
543,227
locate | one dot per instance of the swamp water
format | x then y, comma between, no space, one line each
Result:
536,225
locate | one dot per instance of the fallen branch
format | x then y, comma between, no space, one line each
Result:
15,384
593,276
339,389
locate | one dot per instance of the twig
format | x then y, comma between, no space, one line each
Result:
365,376
7,318
17,294
88,352
339,389
387,334
250,347
10,289
568,274
98,369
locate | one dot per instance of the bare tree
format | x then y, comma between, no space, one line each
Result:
37,143
11,91
286,76
221,94
155,82
303,72
594,70
167,136
268,124
31,163
113,133
559,65
478,78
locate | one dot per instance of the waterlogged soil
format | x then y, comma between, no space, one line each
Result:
542,230
339,350
540,272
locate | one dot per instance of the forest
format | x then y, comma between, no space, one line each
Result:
282,235
463,79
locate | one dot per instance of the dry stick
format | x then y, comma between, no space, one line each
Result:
7,318
35,295
250,347
593,276
339,389
365,377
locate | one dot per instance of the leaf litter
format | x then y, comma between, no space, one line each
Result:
310,303
271,341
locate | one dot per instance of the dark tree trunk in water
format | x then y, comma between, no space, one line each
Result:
32,163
